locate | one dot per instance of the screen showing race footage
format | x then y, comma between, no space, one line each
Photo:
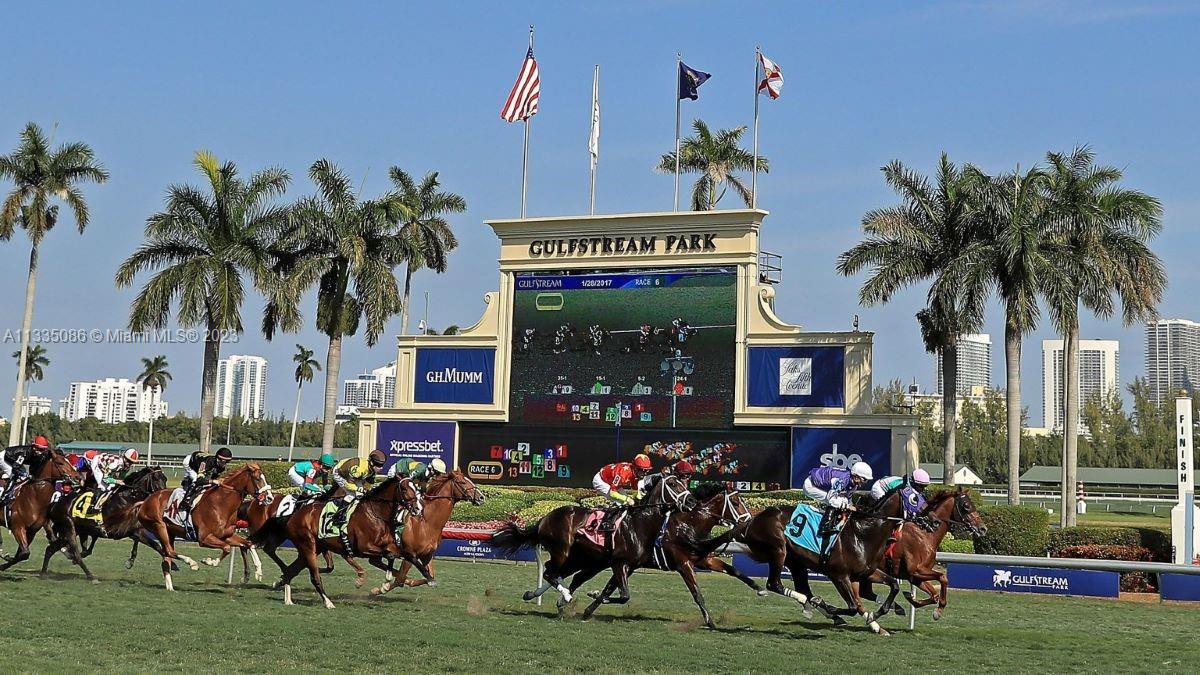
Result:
647,348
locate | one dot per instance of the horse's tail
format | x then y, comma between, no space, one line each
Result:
511,537
702,548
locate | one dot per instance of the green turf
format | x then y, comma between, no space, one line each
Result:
476,622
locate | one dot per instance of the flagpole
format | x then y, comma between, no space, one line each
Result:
595,154
525,150
754,173
678,71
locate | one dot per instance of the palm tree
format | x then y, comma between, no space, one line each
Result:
1017,261
932,235
715,157
200,245
425,226
305,367
1100,234
154,378
40,174
349,249
452,329
35,362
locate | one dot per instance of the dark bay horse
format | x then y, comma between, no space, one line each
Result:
118,519
685,545
29,509
855,556
265,527
632,543
913,557
214,519
423,535
370,533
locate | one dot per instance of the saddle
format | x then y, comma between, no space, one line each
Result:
11,490
601,524
87,507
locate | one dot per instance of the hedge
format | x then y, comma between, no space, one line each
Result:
539,509
1135,582
1014,530
1158,542
952,545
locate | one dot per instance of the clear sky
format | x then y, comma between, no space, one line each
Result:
372,85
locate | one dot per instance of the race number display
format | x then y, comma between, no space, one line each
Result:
652,349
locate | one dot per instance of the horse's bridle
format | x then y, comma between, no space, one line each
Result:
678,498
958,515
462,493
414,504
729,515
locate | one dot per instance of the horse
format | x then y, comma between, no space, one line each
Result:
214,520
118,520
913,555
423,535
854,556
630,544
683,548
370,532
29,509
264,526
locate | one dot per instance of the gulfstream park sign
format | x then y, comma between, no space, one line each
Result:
580,246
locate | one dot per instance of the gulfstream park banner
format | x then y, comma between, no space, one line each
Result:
745,459
454,375
840,447
421,441
797,377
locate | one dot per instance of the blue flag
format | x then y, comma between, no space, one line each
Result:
690,80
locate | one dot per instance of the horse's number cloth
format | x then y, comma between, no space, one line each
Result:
591,527
326,529
174,511
286,506
802,529
83,507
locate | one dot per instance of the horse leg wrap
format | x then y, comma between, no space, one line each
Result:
869,618
562,590
796,595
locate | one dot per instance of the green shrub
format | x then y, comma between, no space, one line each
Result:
1014,530
492,509
952,545
1157,542
539,509
758,503
276,473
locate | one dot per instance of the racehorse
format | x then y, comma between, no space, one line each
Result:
214,520
913,555
370,532
423,535
265,528
684,547
630,545
28,510
855,556
118,519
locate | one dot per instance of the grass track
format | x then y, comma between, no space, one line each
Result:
475,622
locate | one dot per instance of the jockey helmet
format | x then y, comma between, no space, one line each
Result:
327,460
130,455
418,470
376,458
684,468
862,470
436,465
920,477
642,461
41,443
225,454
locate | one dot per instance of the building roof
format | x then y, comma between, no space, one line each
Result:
1104,476
181,449
936,468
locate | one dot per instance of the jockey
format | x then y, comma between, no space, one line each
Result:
15,460
353,475
609,480
199,470
682,469
832,486
304,474
108,469
407,467
918,481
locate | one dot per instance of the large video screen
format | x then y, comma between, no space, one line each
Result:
646,348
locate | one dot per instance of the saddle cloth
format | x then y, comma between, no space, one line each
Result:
326,529
174,512
802,529
87,506
591,527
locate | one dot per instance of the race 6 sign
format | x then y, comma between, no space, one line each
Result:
422,441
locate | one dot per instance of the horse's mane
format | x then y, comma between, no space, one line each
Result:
438,481
375,491
938,498
708,490
878,505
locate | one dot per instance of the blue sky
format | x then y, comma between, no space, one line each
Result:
372,85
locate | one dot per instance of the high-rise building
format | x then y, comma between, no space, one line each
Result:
376,389
242,386
1172,357
112,400
1099,375
974,363
36,405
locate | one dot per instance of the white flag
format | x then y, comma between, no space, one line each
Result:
594,136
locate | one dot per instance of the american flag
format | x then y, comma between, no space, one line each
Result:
522,101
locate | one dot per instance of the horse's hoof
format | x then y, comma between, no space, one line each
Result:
762,592
883,632
838,621
898,610
527,596
377,591
328,604
937,614
432,583
128,564
593,594
359,581
211,562
94,581
289,603
807,611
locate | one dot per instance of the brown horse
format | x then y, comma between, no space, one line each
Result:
423,535
371,533
631,547
913,555
855,555
118,519
265,527
214,520
29,509
683,549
